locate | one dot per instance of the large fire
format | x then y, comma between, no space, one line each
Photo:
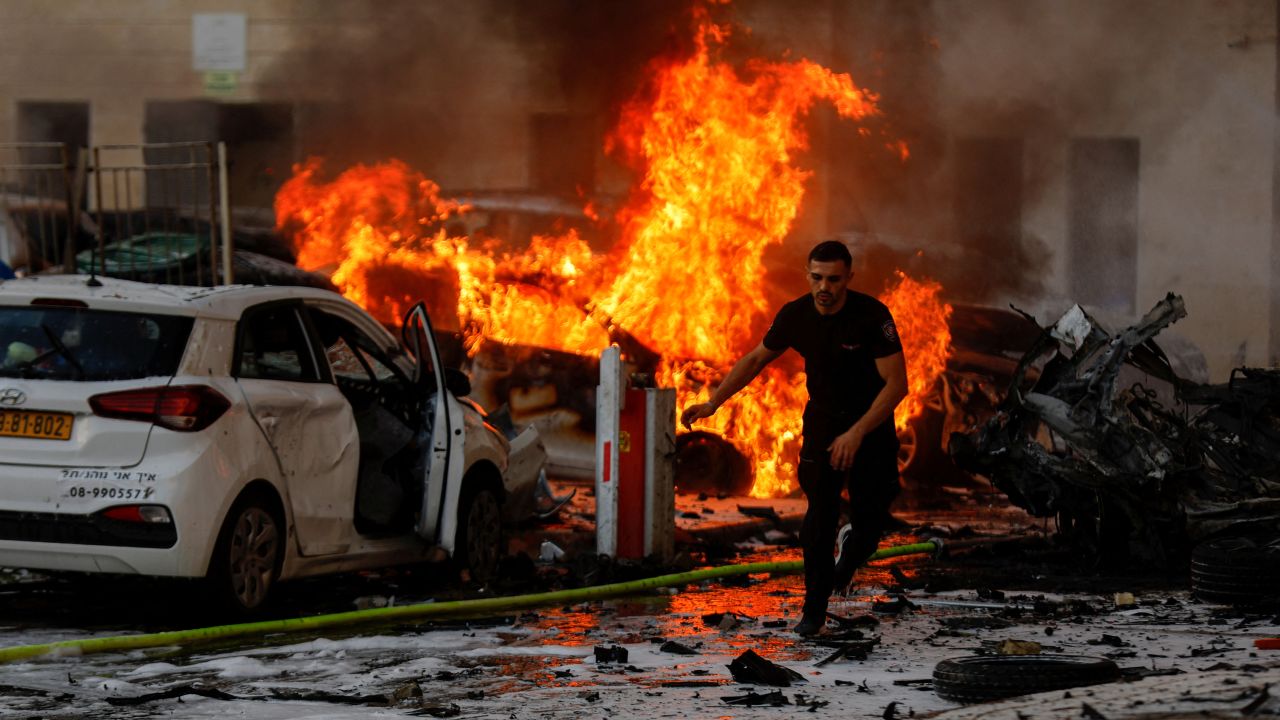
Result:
714,147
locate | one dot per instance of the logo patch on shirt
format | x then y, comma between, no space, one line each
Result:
854,346
890,331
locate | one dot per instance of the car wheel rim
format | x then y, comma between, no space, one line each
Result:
255,545
906,447
483,534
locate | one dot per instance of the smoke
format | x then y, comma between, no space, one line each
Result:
988,97
500,94
456,87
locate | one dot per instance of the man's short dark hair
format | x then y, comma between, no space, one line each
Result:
831,251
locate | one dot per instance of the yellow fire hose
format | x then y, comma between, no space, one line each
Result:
477,607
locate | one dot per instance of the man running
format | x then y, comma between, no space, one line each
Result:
855,376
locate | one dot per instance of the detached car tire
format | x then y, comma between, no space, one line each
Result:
479,543
247,557
985,678
1237,571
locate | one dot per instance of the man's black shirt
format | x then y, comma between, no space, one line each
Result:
840,352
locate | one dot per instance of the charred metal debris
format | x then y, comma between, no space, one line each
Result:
1097,431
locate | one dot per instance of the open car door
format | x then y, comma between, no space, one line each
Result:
444,461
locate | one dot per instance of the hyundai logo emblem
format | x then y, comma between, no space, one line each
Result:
12,396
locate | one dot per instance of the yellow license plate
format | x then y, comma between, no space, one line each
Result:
35,424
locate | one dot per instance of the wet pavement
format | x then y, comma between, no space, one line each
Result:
544,663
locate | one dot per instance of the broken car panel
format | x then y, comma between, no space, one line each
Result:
1098,431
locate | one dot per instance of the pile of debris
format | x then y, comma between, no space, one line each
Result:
1097,431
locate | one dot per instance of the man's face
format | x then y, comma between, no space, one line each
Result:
828,283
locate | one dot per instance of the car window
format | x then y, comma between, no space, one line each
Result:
351,352
273,346
344,361
381,371
71,343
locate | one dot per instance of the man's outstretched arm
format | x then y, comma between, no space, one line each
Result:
743,372
893,370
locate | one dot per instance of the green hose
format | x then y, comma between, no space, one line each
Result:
474,607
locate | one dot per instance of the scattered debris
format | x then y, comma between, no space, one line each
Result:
549,552
982,678
752,669
861,620
408,691
854,650
1142,462
726,621
1242,571
761,511
1124,600
892,607
813,704
372,601
772,699
975,622
675,648
616,654
1112,640
173,693
1018,647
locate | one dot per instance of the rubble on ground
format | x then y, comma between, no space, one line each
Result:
1097,431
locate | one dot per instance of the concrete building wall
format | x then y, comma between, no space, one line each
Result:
119,54
1193,83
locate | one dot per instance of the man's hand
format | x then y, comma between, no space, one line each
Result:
845,447
693,413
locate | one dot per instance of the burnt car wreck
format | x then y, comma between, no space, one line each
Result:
1099,432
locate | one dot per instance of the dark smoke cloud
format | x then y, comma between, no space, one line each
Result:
450,85
973,87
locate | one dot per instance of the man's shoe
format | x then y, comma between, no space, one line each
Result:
846,565
810,625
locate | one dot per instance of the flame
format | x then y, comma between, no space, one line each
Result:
374,229
714,147
922,320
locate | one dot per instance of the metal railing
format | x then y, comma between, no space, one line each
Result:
37,186
151,212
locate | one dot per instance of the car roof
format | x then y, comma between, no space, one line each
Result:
221,301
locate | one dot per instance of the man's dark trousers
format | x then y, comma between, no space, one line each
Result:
872,484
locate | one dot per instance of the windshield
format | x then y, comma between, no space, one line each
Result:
61,343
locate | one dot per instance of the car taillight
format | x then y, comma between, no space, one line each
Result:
139,513
185,408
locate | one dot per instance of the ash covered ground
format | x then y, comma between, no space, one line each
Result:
909,614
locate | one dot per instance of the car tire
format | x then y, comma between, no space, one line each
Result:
920,445
707,462
247,557
1237,571
994,677
479,543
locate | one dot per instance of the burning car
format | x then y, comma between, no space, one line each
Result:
245,435
1099,430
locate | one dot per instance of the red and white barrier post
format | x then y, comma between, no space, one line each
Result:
635,447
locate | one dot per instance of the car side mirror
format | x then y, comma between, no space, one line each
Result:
457,382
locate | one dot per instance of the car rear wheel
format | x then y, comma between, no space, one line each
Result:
479,543
246,562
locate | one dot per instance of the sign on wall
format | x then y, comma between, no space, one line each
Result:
218,42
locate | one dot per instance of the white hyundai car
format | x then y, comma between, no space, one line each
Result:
246,435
